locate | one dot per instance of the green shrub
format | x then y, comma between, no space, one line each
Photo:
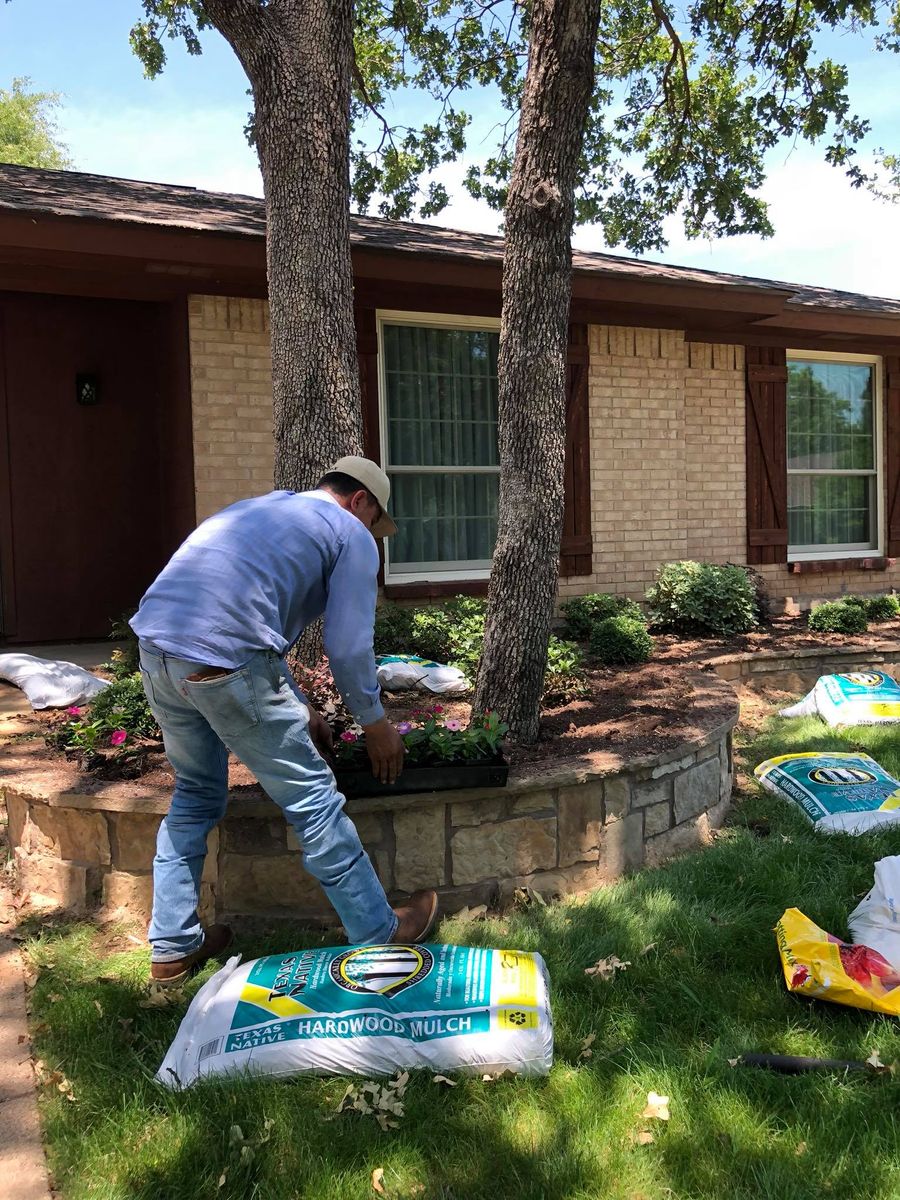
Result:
123,661
876,608
837,616
123,705
582,613
114,719
564,680
621,640
430,634
393,628
703,598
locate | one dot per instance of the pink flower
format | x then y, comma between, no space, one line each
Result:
438,708
404,726
347,736
453,726
74,711
117,737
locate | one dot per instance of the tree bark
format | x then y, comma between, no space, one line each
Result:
537,276
298,56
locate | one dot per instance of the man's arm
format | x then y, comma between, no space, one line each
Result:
348,634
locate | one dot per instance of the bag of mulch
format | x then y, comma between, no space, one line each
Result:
875,922
847,793
402,672
821,966
48,682
857,698
367,1010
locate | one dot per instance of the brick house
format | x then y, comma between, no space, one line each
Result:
709,416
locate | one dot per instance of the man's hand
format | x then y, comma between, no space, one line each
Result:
386,750
320,732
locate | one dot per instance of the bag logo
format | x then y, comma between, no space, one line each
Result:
869,679
387,970
841,775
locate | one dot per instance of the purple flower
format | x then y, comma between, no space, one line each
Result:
404,726
117,737
453,725
74,711
347,736
438,708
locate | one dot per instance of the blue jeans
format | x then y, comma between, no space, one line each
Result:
258,713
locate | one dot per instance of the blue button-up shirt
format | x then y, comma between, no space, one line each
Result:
253,577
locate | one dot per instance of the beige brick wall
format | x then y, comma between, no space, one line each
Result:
667,455
231,383
667,447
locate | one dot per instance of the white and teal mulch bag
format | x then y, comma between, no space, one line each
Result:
847,793
857,698
398,672
367,1010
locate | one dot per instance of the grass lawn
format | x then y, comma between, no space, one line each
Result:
705,984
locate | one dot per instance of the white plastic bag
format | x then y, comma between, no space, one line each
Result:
875,922
367,1010
50,683
857,698
399,672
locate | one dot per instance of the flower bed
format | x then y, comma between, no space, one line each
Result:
560,826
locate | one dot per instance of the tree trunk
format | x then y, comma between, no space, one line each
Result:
537,276
298,55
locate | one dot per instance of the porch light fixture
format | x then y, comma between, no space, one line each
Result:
87,389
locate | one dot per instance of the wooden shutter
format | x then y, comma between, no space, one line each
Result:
767,525
892,449
576,545
367,357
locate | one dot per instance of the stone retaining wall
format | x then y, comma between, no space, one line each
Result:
559,833
798,670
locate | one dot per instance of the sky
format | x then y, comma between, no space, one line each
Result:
187,127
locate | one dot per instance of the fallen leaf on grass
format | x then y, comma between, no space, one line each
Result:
160,996
647,949
54,997
875,1062
801,1149
471,914
643,1137
443,1079
657,1107
586,1051
491,1078
99,1007
734,1062
606,968
377,1181
381,1101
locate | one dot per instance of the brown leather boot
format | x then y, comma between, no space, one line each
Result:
416,917
215,939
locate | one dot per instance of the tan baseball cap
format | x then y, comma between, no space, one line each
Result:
370,476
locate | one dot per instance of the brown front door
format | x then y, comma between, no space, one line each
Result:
83,521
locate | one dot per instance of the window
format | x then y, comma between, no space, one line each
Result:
439,444
833,455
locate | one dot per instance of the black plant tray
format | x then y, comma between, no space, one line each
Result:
442,777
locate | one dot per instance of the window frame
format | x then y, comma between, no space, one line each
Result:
424,572
824,552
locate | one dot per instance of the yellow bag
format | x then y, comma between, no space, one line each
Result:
821,966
